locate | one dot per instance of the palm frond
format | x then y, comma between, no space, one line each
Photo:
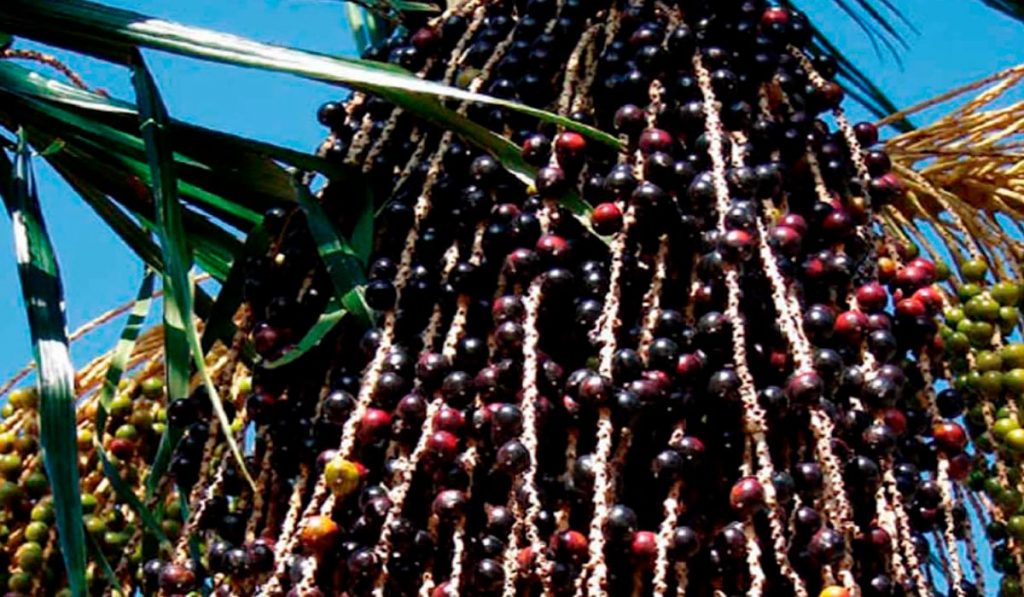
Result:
178,313
42,292
114,35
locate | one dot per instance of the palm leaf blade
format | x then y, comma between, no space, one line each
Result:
177,283
43,296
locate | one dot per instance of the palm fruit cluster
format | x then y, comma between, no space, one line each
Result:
689,362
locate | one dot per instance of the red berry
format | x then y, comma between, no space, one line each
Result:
911,278
867,133
553,246
794,221
266,339
896,420
787,240
644,547
949,437
607,218
931,297
838,224
959,467
924,264
872,297
689,365
737,245
654,140
374,426
850,326
747,496
629,119
122,449
831,94
910,308
572,544
569,149
774,16
425,39
879,321
443,446
880,539
449,419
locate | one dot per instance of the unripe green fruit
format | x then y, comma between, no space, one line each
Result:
967,291
974,270
29,556
37,531
1004,426
153,387
1015,440
1006,293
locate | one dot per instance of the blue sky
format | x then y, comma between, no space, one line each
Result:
959,41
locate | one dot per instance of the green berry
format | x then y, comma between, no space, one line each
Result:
43,512
1009,317
987,360
141,418
89,503
966,291
127,431
173,510
976,416
121,406
95,525
959,343
10,465
36,484
29,556
1015,439
37,531
153,387
20,582
115,539
991,384
993,487
171,528
1013,381
954,315
1006,293
981,333
9,493
1013,355
974,270
982,308
1016,527
1004,426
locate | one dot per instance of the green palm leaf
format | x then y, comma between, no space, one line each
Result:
115,35
43,295
178,319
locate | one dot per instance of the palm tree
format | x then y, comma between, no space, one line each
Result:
575,297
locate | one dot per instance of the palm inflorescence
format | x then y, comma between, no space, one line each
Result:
732,345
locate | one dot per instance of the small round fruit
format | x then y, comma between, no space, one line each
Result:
319,534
